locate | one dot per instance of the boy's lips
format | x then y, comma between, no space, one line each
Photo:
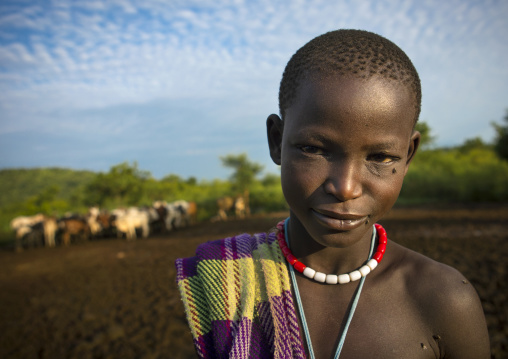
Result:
338,220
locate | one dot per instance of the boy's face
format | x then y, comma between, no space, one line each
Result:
344,150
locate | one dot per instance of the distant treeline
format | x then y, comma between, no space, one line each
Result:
461,174
471,172
56,191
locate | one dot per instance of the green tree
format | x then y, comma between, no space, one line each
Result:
271,179
501,140
471,144
192,181
172,178
46,202
244,173
426,140
122,185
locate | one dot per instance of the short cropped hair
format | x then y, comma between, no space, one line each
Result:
356,52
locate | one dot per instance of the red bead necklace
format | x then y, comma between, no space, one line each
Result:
332,278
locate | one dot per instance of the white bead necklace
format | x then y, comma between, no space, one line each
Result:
369,266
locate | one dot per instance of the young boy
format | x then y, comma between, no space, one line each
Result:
328,282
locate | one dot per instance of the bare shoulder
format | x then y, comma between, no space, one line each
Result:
447,302
432,280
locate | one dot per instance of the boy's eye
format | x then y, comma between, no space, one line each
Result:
382,158
311,150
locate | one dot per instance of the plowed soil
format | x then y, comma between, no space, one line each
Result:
117,299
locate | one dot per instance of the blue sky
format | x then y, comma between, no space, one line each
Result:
174,85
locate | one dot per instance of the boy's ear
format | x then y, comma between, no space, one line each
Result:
413,146
274,127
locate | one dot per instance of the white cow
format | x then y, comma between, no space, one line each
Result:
167,213
50,228
182,213
127,222
25,225
22,225
91,219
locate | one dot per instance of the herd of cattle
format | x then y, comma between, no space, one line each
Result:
129,223
41,230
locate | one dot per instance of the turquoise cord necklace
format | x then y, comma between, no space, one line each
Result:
351,311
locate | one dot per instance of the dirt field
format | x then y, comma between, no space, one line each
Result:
114,299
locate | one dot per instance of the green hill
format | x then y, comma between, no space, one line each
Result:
18,185
45,190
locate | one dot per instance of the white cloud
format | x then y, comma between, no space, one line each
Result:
73,57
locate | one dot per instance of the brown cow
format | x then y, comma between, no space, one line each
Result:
224,204
188,213
192,213
239,205
105,220
228,204
73,227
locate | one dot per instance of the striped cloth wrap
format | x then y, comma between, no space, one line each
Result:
237,298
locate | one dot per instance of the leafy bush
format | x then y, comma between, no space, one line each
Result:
475,175
18,185
267,198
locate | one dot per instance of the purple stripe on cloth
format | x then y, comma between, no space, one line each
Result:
204,346
210,250
240,246
294,329
270,238
244,246
230,338
278,310
227,248
292,320
265,238
244,339
261,342
185,268
242,344
265,323
222,337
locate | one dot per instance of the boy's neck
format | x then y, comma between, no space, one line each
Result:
328,260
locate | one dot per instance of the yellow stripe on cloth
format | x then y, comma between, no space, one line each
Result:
271,266
236,286
230,286
196,305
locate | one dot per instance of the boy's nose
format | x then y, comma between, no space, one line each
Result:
343,182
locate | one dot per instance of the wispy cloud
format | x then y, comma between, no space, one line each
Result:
104,70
